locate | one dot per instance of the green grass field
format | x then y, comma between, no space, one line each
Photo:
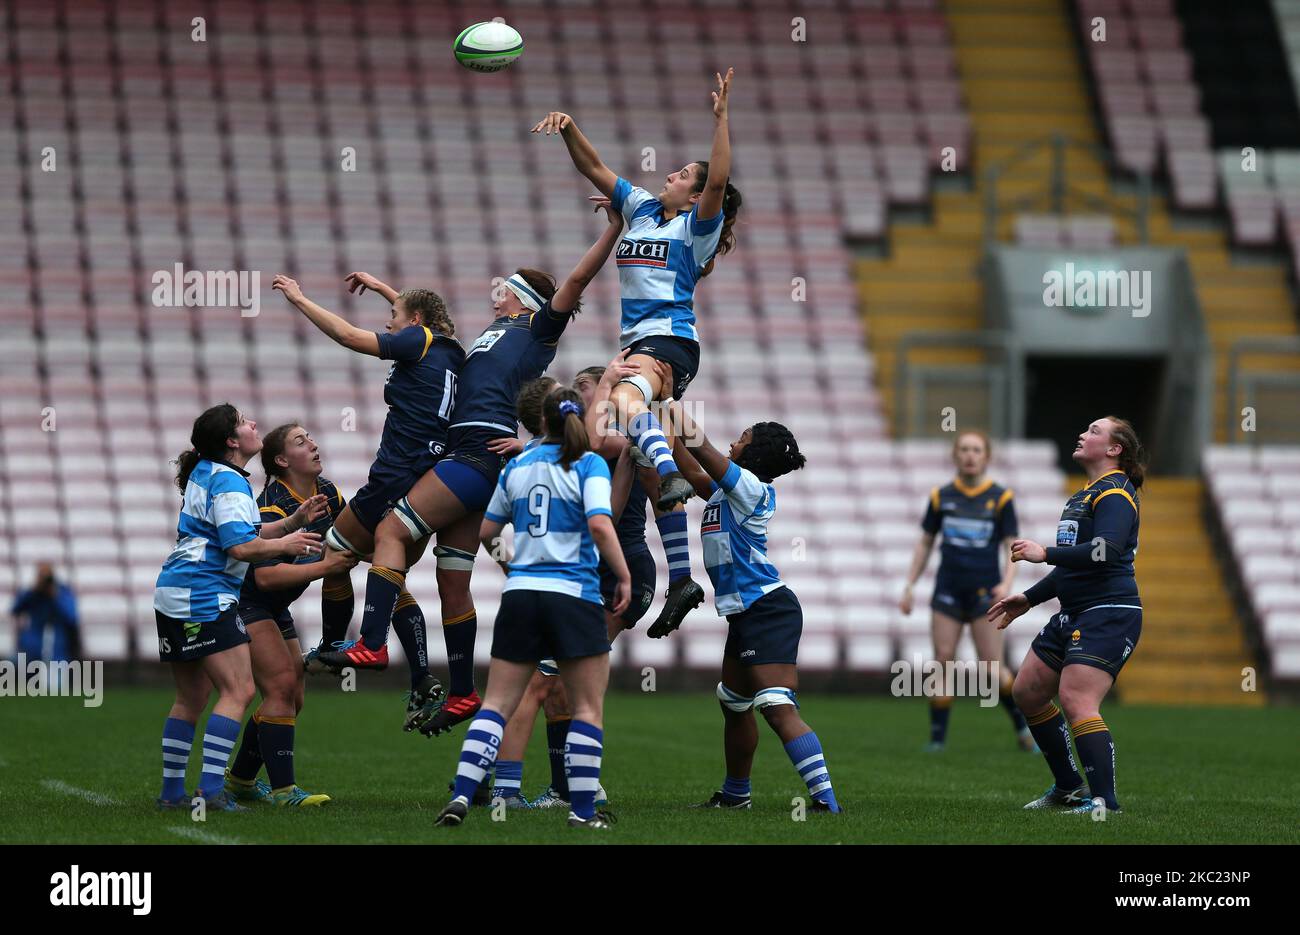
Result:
70,774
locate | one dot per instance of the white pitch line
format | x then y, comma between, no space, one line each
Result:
94,798
203,837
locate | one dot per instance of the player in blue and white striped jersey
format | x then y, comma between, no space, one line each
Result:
671,244
557,498
197,596
764,619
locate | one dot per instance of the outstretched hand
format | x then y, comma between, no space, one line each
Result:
720,95
553,122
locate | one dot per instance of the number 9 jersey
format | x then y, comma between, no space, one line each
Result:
549,506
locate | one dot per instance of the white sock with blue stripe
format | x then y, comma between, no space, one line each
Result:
219,740
648,435
582,752
806,754
478,752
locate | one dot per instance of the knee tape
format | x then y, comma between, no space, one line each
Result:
417,527
732,701
774,696
642,384
454,559
335,541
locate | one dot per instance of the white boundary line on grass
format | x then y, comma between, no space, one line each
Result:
203,837
94,798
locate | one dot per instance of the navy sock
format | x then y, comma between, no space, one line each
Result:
408,624
582,755
458,633
557,732
1053,739
248,761
1009,704
736,788
218,743
648,435
478,752
336,606
1097,753
805,753
177,740
677,548
383,585
940,709
275,734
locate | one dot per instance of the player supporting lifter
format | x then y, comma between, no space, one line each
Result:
557,498
764,619
978,520
1080,652
671,244
546,692
530,315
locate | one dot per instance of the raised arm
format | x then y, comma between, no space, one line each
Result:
620,485
603,437
364,281
691,469
714,462
584,155
719,156
338,329
566,297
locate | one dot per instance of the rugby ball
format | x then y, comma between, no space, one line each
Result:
488,47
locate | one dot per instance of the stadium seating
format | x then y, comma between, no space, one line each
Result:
225,154
1257,495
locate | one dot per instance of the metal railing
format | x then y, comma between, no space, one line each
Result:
1005,409
1057,191
1243,384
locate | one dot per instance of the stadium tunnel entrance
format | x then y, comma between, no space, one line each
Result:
1064,394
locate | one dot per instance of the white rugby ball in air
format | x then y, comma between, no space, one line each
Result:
489,46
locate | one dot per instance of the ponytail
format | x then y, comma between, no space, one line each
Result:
1132,457
207,440
185,463
731,202
563,414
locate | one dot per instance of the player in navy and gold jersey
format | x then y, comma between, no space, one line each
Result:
293,467
420,388
977,518
1080,652
530,315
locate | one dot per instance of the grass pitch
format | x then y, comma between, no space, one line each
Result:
71,774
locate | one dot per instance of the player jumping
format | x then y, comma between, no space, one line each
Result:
671,243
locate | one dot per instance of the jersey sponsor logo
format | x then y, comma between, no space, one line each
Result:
749,652
1067,532
485,340
712,519
642,253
